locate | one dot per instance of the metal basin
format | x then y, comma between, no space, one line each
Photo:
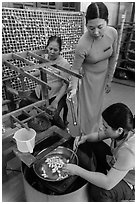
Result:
63,154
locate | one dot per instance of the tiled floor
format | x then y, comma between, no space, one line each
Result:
13,190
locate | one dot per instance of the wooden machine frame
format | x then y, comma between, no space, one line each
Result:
11,119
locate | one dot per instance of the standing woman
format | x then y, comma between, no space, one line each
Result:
95,57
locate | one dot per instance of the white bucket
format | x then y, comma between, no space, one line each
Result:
25,139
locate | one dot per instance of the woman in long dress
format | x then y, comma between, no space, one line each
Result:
95,57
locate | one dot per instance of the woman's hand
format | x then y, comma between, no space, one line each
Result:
77,142
71,169
108,87
71,93
53,105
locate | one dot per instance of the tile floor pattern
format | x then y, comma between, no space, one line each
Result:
12,188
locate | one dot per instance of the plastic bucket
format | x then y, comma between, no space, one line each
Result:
25,139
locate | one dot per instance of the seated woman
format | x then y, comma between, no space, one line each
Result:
114,178
58,93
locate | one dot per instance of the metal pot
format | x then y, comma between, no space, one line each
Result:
39,123
62,152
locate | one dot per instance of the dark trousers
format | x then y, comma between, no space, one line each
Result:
99,150
94,154
57,120
121,192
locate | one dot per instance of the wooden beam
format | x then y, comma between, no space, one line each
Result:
37,57
23,54
8,78
27,158
37,66
68,71
16,113
7,56
9,134
16,56
47,70
20,122
47,64
40,52
25,74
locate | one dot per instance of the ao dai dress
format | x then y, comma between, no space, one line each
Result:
96,59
